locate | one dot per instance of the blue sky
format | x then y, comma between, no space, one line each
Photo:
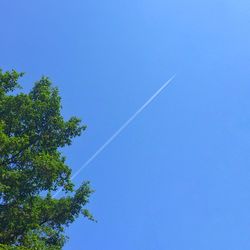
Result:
179,176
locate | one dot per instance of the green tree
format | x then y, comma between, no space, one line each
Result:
32,132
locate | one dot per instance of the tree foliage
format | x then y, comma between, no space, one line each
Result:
32,132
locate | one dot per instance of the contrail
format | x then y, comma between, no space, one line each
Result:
119,131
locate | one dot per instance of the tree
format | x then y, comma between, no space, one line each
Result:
32,132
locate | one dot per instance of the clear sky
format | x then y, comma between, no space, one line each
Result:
179,176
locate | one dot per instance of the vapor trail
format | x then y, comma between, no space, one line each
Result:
119,131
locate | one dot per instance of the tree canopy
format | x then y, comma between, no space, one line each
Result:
32,167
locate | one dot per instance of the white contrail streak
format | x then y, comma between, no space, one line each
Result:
119,131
